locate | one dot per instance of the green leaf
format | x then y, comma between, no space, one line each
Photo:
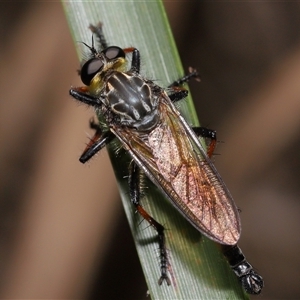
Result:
198,269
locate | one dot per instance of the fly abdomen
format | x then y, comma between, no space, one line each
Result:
251,281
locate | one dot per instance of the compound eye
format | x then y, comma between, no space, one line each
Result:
90,69
113,52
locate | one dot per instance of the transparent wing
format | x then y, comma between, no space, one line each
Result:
183,171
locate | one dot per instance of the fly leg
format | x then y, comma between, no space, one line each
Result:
251,281
177,91
135,195
135,60
100,139
193,73
210,134
97,142
178,94
80,94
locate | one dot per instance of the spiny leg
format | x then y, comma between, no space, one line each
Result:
193,73
81,94
135,195
251,281
98,141
210,134
135,60
178,94
177,91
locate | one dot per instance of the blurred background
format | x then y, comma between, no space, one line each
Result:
57,239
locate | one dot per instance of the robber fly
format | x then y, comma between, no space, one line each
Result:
142,116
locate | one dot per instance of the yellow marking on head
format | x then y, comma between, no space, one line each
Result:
98,81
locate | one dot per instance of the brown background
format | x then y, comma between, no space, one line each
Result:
63,233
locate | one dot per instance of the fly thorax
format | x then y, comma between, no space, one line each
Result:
131,98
